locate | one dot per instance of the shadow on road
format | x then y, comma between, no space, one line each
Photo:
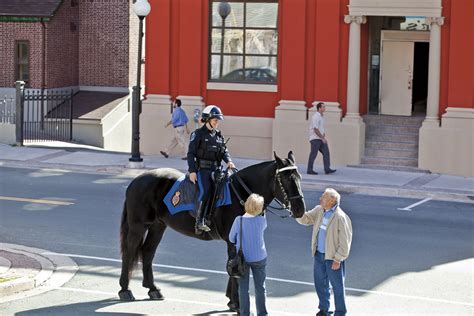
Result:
85,308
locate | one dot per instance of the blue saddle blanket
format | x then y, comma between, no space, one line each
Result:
184,194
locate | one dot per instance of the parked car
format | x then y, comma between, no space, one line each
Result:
260,74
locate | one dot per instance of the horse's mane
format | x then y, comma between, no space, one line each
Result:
258,166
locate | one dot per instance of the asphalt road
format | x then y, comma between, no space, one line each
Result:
402,262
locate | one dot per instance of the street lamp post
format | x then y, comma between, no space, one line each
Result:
224,10
142,9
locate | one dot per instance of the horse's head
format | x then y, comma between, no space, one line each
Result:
288,185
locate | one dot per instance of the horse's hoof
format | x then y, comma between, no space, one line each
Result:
234,307
126,295
156,295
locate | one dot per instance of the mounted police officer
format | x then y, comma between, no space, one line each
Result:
206,150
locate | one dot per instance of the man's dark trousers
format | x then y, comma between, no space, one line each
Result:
318,145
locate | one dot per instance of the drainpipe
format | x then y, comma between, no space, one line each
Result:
43,74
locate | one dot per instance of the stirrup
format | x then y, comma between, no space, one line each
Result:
202,226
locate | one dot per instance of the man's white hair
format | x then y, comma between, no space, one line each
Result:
334,194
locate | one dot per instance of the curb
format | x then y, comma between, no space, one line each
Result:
55,271
390,191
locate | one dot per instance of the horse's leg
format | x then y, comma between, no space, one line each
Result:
232,291
130,255
153,238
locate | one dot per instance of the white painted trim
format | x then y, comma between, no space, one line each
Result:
294,105
107,89
158,99
331,104
405,36
191,100
461,113
428,8
242,87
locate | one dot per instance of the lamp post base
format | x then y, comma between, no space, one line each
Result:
135,164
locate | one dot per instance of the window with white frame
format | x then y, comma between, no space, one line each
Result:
243,41
22,57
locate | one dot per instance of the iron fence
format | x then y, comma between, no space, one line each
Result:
7,109
47,116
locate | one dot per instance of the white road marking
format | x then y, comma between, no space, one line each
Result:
40,201
274,279
409,207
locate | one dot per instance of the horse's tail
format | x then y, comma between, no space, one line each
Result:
124,230
134,255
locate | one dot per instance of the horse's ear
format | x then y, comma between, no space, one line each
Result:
278,159
291,156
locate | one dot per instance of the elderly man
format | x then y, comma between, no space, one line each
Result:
330,246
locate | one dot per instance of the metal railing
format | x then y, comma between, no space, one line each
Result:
7,109
42,115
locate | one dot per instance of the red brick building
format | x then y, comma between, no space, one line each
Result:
396,76
89,47
68,43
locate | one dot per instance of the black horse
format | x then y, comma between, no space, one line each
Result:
145,216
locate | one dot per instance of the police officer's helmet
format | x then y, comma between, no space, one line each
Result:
210,112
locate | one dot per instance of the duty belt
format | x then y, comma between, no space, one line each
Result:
207,164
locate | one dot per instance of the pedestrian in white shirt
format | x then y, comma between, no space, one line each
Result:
318,141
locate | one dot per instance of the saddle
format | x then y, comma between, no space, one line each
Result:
183,196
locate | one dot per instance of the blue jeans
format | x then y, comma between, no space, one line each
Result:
259,272
323,275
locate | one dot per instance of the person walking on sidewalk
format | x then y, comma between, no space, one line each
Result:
179,120
318,141
330,246
255,254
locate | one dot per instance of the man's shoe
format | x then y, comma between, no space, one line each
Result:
330,171
321,313
311,172
184,158
164,154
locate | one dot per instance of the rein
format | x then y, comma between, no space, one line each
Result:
283,206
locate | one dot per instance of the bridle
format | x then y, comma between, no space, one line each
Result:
285,205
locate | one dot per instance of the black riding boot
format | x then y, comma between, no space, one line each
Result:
200,222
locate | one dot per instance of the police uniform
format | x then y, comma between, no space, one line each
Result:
206,150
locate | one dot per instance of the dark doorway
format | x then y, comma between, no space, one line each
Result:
420,77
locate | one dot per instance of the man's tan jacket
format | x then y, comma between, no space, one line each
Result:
338,232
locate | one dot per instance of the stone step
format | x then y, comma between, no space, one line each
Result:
391,145
393,120
390,153
407,162
391,168
391,129
396,138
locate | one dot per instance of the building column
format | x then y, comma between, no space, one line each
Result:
353,73
432,107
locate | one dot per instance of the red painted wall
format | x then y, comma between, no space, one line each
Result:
312,55
158,47
460,73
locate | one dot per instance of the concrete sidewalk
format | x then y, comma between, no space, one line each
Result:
58,155
26,271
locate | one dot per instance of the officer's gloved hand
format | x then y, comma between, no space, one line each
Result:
193,177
